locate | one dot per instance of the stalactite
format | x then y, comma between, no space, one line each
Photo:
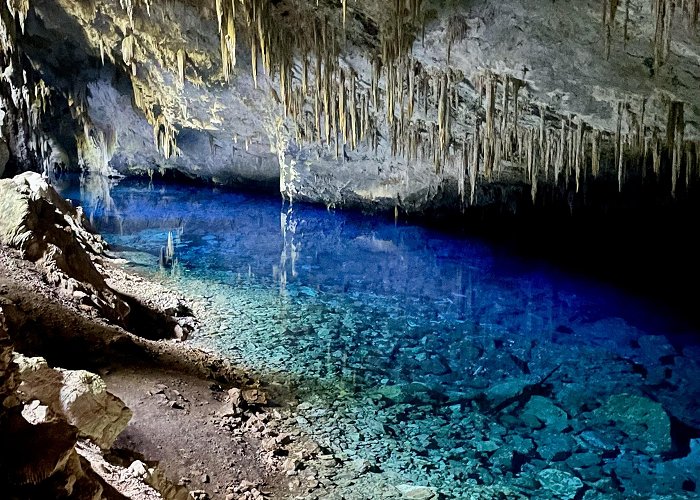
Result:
128,49
490,131
579,152
675,135
688,151
19,10
595,152
627,19
474,165
254,63
609,12
456,31
663,13
619,145
656,153
181,65
559,163
129,7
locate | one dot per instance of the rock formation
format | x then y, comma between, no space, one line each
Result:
52,470
48,230
406,104
80,397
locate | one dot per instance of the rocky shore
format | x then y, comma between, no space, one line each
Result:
152,417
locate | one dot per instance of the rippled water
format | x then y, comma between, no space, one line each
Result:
444,362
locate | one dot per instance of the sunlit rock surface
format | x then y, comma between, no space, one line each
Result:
80,397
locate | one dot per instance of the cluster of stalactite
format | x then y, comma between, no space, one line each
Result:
564,150
426,112
164,131
24,99
663,11
326,100
423,114
96,145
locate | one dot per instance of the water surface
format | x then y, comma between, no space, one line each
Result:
441,360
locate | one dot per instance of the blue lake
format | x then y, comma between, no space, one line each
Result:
445,362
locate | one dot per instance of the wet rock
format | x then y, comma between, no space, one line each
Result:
413,393
560,483
586,459
554,447
655,347
540,411
486,446
643,420
594,440
521,444
508,389
412,492
436,365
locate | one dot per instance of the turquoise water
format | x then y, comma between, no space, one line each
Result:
441,360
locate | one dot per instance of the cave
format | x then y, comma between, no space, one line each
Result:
359,249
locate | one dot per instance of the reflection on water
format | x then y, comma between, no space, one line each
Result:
448,363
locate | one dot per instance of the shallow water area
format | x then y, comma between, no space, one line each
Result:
429,363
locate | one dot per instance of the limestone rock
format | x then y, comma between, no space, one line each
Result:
643,420
561,484
79,396
412,492
49,230
541,411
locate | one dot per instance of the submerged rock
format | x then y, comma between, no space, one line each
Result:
412,492
561,484
645,422
541,411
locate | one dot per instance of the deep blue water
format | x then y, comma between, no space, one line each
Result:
424,332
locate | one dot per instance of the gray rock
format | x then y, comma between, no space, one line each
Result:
540,411
412,492
645,422
562,484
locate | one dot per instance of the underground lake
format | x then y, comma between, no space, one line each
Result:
427,358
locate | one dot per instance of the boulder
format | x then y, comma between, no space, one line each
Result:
540,411
561,484
38,457
413,492
645,421
78,396
47,229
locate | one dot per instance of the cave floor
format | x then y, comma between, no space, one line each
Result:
171,389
